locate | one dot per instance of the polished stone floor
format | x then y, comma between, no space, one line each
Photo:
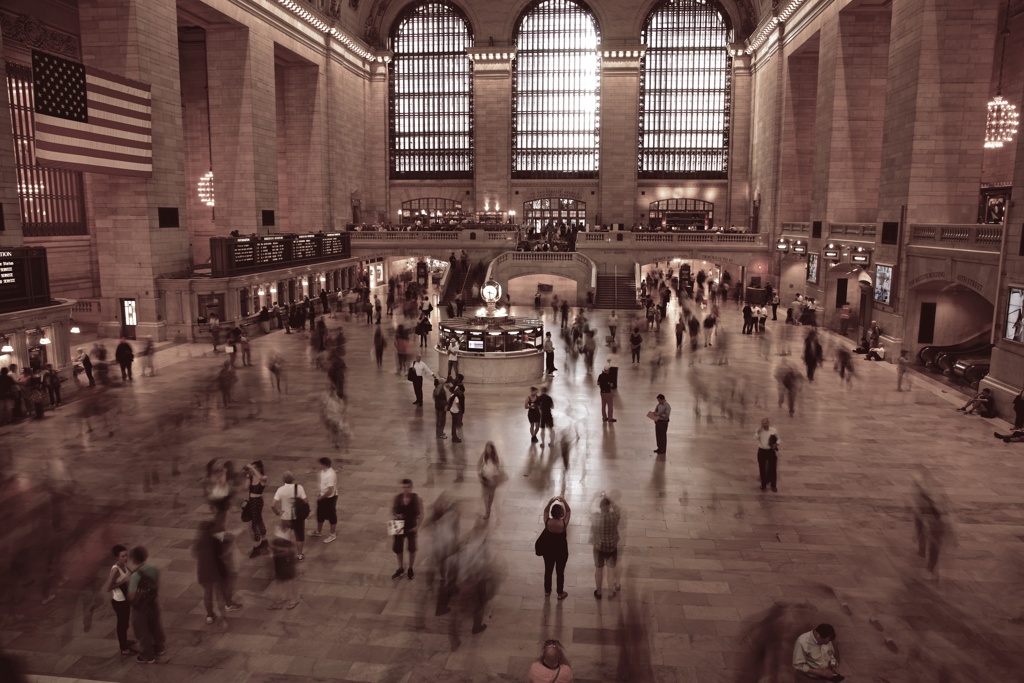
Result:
719,577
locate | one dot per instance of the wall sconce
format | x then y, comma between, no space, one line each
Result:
273,290
6,348
260,292
861,255
305,282
323,279
782,245
799,247
832,251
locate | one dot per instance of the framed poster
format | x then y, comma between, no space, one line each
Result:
883,284
1015,316
812,268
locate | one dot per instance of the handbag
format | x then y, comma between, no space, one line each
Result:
300,506
411,374
396,527
541,544
246,512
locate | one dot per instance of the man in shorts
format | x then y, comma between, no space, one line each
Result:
604,536
284,505
408,507
327,501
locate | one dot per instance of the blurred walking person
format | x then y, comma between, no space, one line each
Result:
491,476
212,570
257,477
767,454
604,536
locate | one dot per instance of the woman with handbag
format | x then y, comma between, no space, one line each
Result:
117,584
553,543
552,667
253,507
491,475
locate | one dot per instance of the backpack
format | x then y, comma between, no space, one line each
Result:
300,506
145,593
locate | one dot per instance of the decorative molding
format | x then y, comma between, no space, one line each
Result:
25,29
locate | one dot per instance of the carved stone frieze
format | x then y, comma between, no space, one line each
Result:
26,29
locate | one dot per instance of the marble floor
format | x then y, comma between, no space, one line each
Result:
718,577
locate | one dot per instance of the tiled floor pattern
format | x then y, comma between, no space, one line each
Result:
719,577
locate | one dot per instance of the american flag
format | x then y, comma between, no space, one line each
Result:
91,120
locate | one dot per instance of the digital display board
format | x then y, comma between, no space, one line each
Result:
1015,316
245,252
240,255
304,247
24,278
269,250
812,268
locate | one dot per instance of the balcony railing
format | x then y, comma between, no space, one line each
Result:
970,236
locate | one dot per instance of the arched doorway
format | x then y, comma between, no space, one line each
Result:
553,211
681,214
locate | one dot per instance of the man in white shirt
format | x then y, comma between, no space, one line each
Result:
876,352
767,454
284,505
815,656
453,356
327,501
420,370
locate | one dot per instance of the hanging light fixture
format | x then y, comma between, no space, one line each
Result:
75,329
206,188
7,348
1001,125
43,339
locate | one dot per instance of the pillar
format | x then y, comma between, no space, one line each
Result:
620,92
492,110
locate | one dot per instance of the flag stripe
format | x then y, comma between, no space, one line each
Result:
142,118
58,127
104,119
133,87
143,103
94,150
54,133
91,165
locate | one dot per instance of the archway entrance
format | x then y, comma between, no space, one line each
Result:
681,214
551,212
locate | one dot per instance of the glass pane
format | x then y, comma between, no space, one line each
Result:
685,86
556,92
431,87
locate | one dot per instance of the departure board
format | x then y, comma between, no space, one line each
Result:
304,247
24,278
239,255
270,250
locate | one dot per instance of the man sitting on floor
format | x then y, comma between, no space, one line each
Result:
982,404
876,352
815,656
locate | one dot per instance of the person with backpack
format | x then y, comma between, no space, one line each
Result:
291,504
143,592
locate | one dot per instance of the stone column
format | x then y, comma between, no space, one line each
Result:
492,126
300,148
739,210
851,107
243,124
935,109
620,128
138,39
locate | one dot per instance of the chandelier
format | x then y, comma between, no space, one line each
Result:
206,188
1001,125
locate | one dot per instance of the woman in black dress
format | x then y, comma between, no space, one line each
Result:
533,413
554,544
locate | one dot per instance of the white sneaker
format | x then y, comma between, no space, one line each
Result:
330,538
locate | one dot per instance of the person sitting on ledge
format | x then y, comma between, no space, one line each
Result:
814,655
982,404
876,352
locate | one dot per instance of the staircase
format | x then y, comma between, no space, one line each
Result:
615,292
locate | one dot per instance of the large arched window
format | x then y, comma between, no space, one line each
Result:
685,91
431,100
555,94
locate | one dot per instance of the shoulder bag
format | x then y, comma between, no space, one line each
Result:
300,506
